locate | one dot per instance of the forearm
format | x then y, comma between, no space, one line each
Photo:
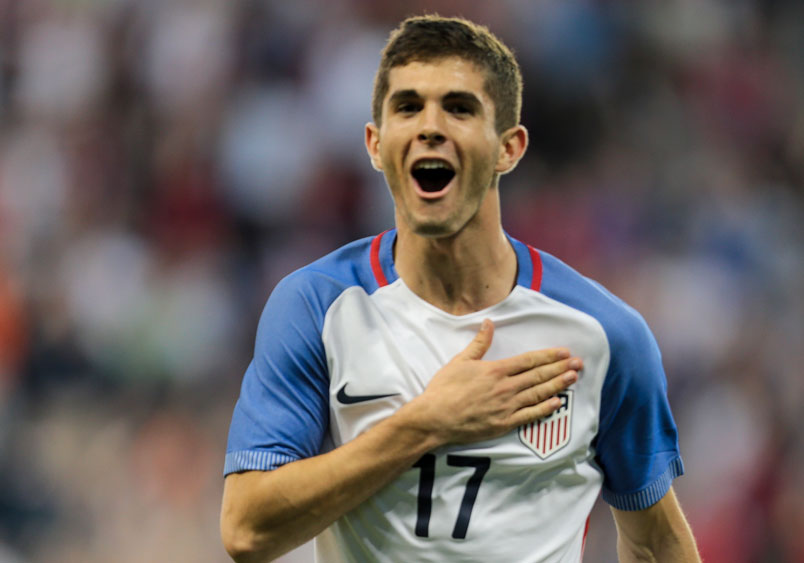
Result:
266,514
659,534
671,548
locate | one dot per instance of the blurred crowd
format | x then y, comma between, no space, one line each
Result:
163,163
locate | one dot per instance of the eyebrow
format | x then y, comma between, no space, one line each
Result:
465,97
401,95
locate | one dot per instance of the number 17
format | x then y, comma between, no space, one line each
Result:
425,499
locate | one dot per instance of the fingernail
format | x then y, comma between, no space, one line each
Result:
570,377
575,363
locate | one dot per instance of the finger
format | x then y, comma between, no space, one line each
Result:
544,373
531,413
529,360
480,344
539,393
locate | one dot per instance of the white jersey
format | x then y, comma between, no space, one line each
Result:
343,343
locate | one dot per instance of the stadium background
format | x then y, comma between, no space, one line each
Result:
164,163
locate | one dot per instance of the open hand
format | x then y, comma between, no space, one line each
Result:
471,399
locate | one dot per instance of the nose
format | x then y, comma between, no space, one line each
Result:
431,129
431,137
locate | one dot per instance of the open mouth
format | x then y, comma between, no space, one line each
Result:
432,175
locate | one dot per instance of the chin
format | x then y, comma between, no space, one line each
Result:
434,229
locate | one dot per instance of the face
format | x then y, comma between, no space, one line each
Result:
438,146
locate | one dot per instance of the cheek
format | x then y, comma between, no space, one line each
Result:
393,175
483,164
389,166
386,151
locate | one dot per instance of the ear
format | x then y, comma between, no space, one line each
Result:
514,142
373,145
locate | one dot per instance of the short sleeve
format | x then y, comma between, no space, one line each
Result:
637,443
283,409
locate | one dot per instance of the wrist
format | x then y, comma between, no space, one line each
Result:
422,432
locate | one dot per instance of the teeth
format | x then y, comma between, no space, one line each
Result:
431,165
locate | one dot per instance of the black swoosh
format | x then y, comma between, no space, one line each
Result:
352,399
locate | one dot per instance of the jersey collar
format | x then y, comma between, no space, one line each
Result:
529,262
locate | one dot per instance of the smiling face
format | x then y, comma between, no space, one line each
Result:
438,145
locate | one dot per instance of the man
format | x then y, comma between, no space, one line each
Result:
412,395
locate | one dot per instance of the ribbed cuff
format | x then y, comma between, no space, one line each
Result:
648,496
254,460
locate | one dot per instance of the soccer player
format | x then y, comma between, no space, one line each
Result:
442,391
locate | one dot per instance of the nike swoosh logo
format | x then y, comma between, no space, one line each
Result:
352,399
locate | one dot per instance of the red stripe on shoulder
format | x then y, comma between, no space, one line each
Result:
379,275
536,260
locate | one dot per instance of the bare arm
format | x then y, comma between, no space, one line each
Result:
267,513
658,534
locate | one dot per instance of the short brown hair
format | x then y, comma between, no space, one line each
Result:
431,37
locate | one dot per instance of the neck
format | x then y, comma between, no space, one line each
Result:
466,272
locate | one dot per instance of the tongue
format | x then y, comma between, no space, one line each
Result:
433,180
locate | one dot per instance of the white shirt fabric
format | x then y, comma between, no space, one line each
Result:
343,343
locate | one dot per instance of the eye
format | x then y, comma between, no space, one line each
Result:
408,107
459,109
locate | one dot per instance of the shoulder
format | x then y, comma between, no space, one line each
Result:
622,323
312,289
347,266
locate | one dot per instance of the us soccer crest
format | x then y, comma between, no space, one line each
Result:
551,433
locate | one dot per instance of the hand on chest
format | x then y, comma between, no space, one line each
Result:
382,353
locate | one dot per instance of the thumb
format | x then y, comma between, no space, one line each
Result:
480,344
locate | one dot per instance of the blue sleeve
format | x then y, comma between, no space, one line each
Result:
282,413
637,443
